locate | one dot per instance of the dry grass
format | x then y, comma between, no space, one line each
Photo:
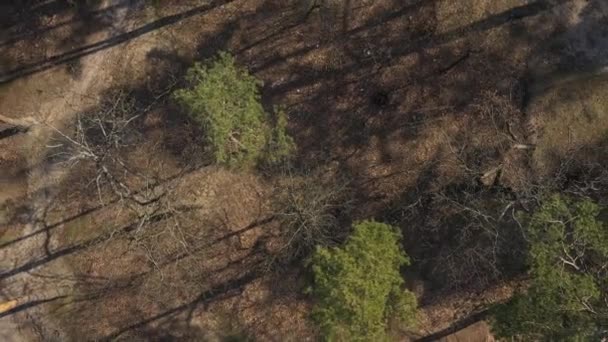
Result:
574,116
8,233
454,15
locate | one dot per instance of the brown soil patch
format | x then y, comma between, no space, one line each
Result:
173,273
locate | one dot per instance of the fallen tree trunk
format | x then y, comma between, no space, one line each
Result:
23,122
10,130
12,126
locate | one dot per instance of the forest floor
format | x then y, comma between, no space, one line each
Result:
405,98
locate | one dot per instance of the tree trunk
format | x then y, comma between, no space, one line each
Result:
24,122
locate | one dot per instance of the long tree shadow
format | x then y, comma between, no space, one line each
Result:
338,108
123,235
178,307
47,227
455,327
33,32
16,11
573,54
340,97
408,47
66,26
218,292
29,305
64,251
32,68
103,289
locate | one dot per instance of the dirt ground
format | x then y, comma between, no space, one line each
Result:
393,94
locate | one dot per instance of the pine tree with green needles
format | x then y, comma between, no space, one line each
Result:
358,287
225,100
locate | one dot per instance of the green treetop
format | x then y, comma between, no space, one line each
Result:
225,100
568,259
358,286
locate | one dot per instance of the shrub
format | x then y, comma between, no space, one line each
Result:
309,207
358,286
224,99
